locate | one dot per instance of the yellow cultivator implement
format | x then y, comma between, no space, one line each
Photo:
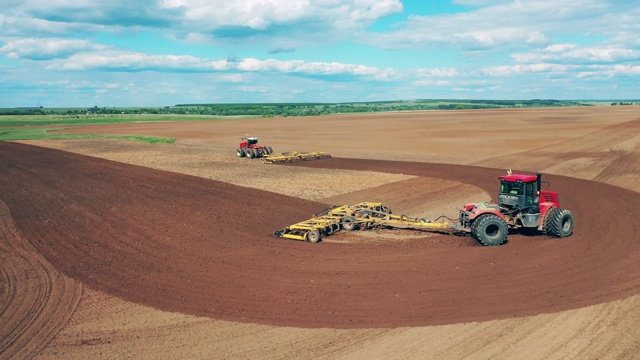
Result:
289,157
364,215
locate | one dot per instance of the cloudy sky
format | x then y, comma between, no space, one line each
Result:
57,53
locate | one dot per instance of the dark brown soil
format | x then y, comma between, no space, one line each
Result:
198,246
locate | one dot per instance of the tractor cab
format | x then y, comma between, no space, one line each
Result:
520,191
251,140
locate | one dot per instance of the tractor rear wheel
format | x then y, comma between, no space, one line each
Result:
240,152
313,236
558,222
269,150
490,230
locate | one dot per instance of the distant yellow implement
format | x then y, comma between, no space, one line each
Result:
294,156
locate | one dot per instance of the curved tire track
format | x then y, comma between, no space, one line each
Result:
35,299
202,247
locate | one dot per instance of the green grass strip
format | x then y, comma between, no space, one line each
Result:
45,120
13,134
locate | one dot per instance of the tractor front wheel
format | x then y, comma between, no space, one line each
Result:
240,152
558,222
490,230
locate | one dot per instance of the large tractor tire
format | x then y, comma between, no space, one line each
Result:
250,153
490,230
313,236
269,150
558,222
240,152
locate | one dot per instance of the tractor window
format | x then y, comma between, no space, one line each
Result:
511,188
530,193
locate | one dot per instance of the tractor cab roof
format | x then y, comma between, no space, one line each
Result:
518,177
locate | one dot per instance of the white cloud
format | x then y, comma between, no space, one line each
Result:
234,78
46,48
554,46
252,89
250,13
569,53
136,62
507,70
284,24
511,24
313,68
207,15
626,70
438,72
129,61
474,2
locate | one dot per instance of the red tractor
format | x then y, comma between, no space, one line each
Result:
521,204
249,147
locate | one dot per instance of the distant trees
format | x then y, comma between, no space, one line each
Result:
624,103
299,109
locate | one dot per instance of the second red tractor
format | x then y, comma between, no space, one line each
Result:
250,148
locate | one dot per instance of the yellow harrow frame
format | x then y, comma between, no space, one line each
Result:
294,156
364,215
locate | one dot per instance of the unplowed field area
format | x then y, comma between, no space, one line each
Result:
119,249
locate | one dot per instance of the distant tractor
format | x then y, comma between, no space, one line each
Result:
521,204
249,148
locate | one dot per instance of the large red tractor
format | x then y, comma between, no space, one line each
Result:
249,148
521,204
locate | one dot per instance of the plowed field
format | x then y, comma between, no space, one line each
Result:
120,249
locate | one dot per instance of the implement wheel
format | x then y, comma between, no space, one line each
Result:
558,222
490,230
348,223
313,236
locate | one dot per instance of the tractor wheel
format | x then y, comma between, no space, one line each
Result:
490,230
348,223
313,236
250,154
240,152
269,150
558,222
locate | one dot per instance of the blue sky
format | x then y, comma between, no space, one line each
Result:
58,53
